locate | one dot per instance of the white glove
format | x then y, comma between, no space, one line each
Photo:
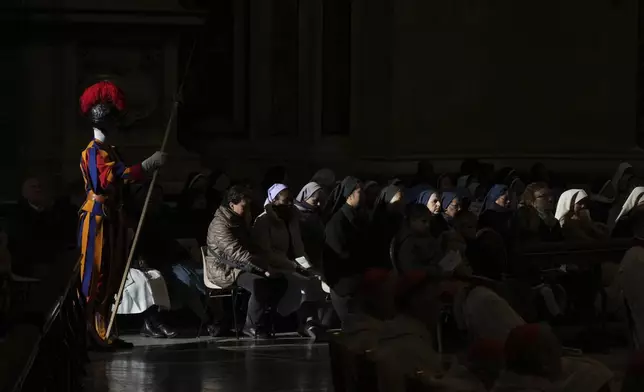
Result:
154,162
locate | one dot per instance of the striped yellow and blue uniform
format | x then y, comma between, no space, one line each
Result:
101,230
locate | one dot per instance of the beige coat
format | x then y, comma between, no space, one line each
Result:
362,332
485,315
407,347
580,374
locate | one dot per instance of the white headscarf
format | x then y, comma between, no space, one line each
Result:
633,200
273,191
567,202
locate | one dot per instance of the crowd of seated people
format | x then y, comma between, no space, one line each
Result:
494,298
342,231
291,249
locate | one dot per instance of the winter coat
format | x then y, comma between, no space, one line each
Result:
279,242
485,314
231,248
345,246
312,230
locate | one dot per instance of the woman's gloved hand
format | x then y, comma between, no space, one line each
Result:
154,162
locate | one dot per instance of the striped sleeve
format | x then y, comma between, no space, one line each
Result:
108,170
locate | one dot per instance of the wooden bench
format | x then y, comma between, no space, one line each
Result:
553,254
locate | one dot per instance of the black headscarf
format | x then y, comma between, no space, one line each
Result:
383,199
339,195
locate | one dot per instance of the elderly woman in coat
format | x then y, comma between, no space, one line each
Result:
234,260
276,232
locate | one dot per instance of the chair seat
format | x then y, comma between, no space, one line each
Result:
211,285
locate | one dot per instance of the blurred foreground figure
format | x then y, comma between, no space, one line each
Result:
102,230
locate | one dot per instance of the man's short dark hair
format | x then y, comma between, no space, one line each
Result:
236,194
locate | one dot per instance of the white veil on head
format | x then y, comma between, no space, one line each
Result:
634,199
567,202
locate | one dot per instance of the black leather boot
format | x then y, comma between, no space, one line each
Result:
255,333
149,330
167,331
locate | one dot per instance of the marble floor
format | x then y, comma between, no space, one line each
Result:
285,364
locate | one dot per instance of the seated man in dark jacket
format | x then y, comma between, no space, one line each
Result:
234,261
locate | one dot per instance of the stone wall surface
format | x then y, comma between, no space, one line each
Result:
70,45
368,85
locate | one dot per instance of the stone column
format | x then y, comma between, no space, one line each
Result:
42,133
372,50
310,60
259,68
240,85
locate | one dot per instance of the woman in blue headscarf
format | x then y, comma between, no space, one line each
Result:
496,213
449,207
450,204
431,198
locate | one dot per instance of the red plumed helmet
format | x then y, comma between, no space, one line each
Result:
102,92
